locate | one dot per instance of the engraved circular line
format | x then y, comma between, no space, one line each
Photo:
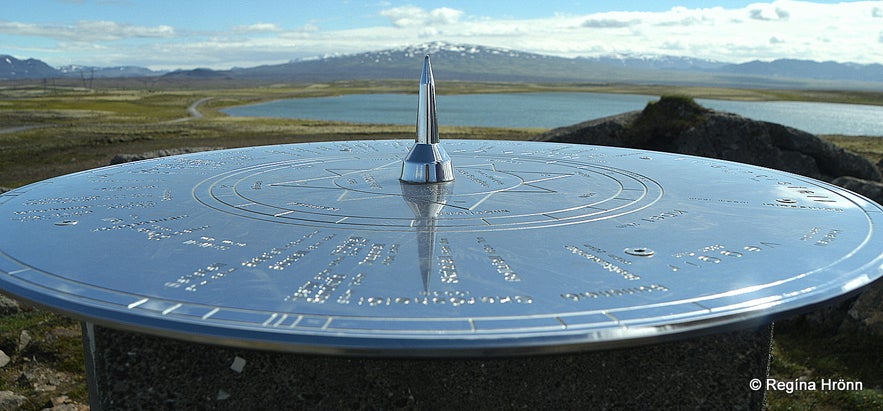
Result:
587,167
287,216
398,195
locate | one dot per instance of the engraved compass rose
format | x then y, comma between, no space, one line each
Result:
492,190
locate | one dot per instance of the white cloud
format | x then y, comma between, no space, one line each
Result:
258,28
847,31
609,23
87,30
409,16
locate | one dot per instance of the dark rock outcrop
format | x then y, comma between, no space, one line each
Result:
679,125
867,310
870,189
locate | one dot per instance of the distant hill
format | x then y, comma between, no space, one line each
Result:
108,72
657,62
480,63
453,62
198,74
13,68
827,70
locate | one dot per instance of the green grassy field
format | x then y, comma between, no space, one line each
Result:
76,129
46,132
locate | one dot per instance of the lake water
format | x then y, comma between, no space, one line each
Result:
549,110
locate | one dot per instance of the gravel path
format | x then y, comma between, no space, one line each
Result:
193,111
21,128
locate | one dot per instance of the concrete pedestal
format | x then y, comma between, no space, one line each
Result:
133,371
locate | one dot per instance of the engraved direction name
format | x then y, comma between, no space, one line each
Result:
656,218
342,279
473,212
312,206
283,255
590,253
325,284
61,210
794,205
201,277
480,177
455,298
613,292
827,239
498,262
715,254
447,268
137,224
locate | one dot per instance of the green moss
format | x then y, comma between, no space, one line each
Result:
663,120
12,326
803,351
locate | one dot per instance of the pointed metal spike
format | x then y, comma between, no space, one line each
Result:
427,117
427,162
426,75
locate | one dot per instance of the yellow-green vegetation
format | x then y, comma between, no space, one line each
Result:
802,352
62,132
870,148
46,132
47,351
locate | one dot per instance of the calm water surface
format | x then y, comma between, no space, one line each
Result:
549,110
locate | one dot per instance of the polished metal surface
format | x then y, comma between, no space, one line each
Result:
534,247
427,162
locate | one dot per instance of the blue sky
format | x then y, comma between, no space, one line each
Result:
164,34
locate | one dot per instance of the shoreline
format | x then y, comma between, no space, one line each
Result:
799,114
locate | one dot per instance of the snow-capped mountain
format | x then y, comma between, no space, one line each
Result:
448,50
482,63
656,62
467,62
107,72
453,62
13,68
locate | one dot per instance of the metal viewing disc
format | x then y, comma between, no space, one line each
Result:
534,247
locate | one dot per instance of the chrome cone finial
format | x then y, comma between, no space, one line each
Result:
427,162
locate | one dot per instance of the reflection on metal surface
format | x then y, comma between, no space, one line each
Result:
426,201
534,247
427,162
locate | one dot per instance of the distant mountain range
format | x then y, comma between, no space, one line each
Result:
12,68
108,72
480,63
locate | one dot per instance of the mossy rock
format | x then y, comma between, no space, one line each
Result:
663,120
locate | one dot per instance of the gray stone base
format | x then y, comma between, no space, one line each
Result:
132,371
